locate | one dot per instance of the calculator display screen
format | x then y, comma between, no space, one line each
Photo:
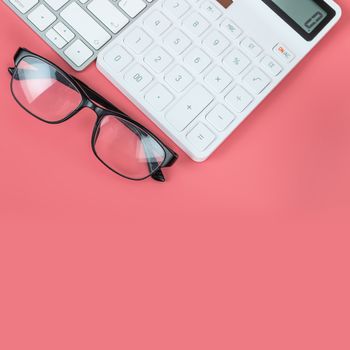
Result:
225,3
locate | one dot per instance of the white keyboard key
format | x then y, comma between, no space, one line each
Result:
159,97
251,47
157,23
177,41
78,53
220,117
236,61
158,59
64,31
239,99
118,58
218,80
132,7
178,78
271,66
55,38
283,53
201,137
210,11
196,24
257,80
42,17
216,43
108,14
189,107
176,8
197,60
231,29
56,4
24,5
85,25
138,78
138,41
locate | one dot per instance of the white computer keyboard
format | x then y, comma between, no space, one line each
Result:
198,70
78,30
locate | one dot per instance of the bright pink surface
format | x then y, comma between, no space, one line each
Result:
249,250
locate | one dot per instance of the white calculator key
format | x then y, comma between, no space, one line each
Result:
177,41
218,79
271,66
157,23
189,107
201,137
132,7
251,47
283,53
118,58
178,78
239,99
42,17
196,24
176,8
64,31
78,53
56,4
24,5
210,11
158,59
138,41
159,97
197,60
257,80
220,117
55,38
236,61
138,78
216,43
231,29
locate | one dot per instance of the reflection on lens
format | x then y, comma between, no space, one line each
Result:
127,149
43,91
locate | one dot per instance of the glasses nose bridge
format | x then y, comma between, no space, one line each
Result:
91,105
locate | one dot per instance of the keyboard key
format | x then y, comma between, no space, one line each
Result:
189,107
271,66
197,60
138,78
231,29
178,78
220,117
85,25
78,53
196,24
138,41
55,38
201,137
216,43
158,59
236,61
176,8
159,97
42,17
177,41
56,4
24,5
157,23
257,80
118,58
64,31
218,80
132,7
239,99
251,47
210,11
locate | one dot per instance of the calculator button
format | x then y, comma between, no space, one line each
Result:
42,17
231,29
218,79
158,59
178,78
138,41
239,99
176,8
118,58
138,78
283,53
132,7
177,41
159,97
157,23
251,47
196,24
189,107
197,60
236,61
220,117
210,11
216,43
257,80
78,53
271,66
201,137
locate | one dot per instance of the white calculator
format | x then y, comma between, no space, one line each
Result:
198,68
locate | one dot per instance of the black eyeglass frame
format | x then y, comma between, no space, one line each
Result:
102,108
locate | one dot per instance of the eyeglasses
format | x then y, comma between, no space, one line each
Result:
54,96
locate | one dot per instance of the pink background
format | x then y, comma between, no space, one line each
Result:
249,250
